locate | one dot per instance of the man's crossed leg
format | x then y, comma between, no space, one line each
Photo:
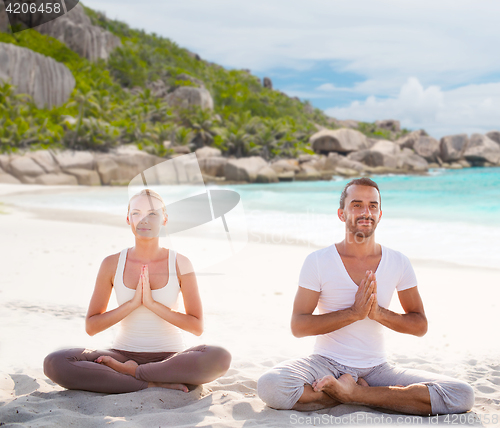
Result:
317,382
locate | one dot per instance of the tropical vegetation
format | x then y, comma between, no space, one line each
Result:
114,102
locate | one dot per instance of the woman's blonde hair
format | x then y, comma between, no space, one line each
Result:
151,193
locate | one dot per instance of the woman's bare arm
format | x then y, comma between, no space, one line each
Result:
97,318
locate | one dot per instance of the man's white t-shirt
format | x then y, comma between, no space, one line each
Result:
360,344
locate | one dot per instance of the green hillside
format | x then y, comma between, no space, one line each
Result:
113,104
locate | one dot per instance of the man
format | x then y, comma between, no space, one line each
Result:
352,283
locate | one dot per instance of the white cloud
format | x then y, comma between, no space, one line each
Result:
327,87
443,45
441,42
413,105
471,108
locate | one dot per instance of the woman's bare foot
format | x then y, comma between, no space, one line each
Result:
128,367
177,386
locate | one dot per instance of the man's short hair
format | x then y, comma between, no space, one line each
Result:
358,182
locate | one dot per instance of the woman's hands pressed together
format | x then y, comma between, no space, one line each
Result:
143,295
137,300
147,296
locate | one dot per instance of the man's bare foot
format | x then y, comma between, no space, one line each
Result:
311,400
340,389
128,367
177,386
362,382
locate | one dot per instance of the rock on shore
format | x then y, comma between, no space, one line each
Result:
76,31
187,96
482,149
71,167
341,140
122,164
4,19
452,147
47,81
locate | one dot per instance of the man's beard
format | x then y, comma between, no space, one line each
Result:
361,232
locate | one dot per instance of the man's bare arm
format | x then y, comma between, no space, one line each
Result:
413,321
304,323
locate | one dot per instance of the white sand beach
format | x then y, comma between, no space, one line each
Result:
49,261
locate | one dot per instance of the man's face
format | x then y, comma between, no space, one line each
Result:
361,212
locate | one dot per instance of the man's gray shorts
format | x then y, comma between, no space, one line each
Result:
282,386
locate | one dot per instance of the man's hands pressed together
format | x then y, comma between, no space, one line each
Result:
413,321
375,310
365,301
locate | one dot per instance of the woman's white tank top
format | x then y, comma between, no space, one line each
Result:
142,330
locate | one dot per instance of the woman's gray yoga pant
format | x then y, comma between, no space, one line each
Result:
76,369
282,386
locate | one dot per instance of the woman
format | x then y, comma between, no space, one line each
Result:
149,349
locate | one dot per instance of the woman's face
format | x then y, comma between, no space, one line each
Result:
146,216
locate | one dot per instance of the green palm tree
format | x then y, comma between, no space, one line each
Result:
83,101
202,124
182,136
238,141
97,134
13,105
266,139
21,123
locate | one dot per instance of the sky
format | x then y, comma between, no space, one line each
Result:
430,64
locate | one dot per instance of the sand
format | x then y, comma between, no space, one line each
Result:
49,262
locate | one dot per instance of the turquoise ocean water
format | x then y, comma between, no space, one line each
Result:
448,215
468,195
